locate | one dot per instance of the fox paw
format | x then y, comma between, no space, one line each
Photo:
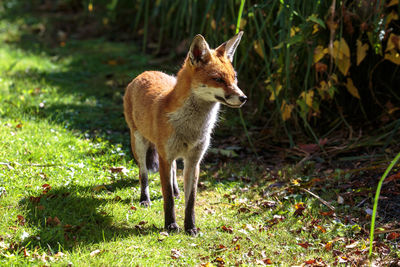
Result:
145,203
173,227
192,231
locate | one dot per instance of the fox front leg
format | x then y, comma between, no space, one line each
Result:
168,195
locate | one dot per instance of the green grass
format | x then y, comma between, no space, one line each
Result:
61,133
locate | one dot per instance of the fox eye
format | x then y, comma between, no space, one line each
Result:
219,80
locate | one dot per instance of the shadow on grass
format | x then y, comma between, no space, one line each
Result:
68,217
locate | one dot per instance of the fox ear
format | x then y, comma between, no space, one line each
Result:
199,51
229,47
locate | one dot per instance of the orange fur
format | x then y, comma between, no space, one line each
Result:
153,96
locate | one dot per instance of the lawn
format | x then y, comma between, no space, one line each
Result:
69,190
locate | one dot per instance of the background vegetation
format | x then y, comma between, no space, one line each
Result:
308,66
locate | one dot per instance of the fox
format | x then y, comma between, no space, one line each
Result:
172,118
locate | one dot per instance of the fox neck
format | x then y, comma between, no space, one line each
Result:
194,118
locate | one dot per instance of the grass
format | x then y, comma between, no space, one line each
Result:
64,202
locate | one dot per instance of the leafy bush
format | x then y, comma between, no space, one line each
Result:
309,66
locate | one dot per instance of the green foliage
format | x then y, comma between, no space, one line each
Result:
307,65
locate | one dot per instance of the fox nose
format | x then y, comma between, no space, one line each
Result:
242,98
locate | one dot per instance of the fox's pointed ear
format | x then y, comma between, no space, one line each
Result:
199,51
229,47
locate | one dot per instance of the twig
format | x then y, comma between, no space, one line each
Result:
387,231
362,202
319,198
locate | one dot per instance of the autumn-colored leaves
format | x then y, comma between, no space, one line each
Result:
343,45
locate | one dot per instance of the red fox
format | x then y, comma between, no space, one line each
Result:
172,118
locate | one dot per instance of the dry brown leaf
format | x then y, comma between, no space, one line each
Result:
393,236
352,89
308,97
393,57
258,47
393,3
304,245
21,220
319,53
341,53
361,51
227,229
391,16
329,245
286,110
323,230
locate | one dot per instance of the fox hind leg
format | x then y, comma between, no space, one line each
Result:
140,146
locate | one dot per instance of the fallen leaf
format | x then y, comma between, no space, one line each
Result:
300,207
227,229
118,169
267,261
304,245
175,254
243,210
308,148
328,246
393,236
52,221
26,253
219,260
327,213
34,199
352,245
221,247
46,188
323,230
95,252
236,239
268,204
21,220
162,236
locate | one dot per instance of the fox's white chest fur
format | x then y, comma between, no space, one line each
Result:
192,124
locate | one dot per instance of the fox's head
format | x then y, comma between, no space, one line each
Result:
214,78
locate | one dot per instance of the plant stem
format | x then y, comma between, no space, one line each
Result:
378,191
